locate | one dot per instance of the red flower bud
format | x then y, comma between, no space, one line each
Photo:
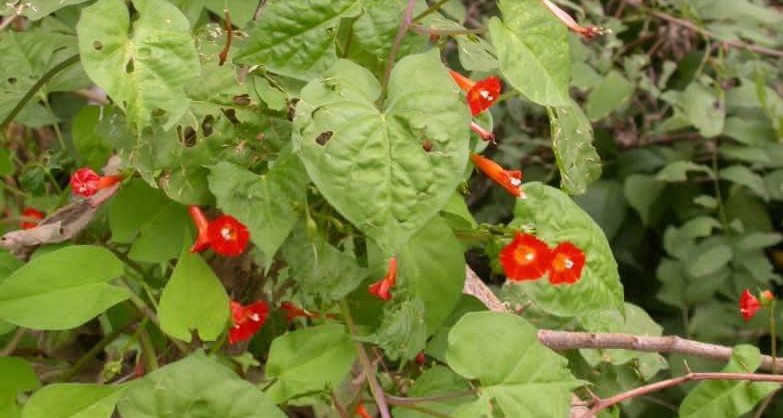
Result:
227,236
587,32
292,311
511,180
202,225
748,305
484,134
361,412
246,320
382,288
525,258
30,218
567,263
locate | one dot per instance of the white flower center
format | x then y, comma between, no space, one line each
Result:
530,256
569,264
515,181
225,233
254,317
486,95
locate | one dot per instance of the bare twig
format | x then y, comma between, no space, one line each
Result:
572,340
602,404
229,37
8,21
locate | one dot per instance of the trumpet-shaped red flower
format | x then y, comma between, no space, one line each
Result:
587,32
525,258
292,311
246,320
361,411
482,94
567,263
85,182
30,218
227,236
382,288
748,305
202,225
511,180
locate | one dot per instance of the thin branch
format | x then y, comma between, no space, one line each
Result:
572,340
259,9
423,30
8,21
34,89
367,368
229,37
15,340
397,400
407,19
605,403
704,32
432,9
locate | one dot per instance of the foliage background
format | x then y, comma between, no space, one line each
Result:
687,121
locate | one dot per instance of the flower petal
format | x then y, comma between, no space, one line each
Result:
525,258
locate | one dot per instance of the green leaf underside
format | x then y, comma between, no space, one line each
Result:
522,376
62,289
572,143
197,386
73,400
532,48
193,300
308,360
556,218
728,398
370,164
143,66
296,38
265,204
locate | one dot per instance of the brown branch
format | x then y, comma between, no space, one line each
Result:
571,340
229,37
602,404
706,33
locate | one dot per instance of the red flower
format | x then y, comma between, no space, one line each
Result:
202,225
361,411
382,288
482,94
30,218
227,236
246,320
421,358
292,311
587,32
525,258
748,305
567,263
84,182
511,180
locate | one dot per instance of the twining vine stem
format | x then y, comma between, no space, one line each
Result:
407,19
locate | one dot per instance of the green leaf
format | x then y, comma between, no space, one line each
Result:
197,386
403,332
16,375
148,220
193,300
532,48
370,164
642,193
323,272
278,39
742,175
41,9
758,240
307,360
517,372
613,91
557,218
435,381
728,398
702,106
432,267
268,205
572,143
604,202
708,260
92,149
73,400
677,171
143,65
66,288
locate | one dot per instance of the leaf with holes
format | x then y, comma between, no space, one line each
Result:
143,65
572,143
370,163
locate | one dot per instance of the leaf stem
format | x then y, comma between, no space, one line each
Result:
147,348
773,333
407,19
430,10
15,340
94,351
367,369
34,89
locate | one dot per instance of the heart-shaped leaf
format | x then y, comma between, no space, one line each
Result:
370,163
